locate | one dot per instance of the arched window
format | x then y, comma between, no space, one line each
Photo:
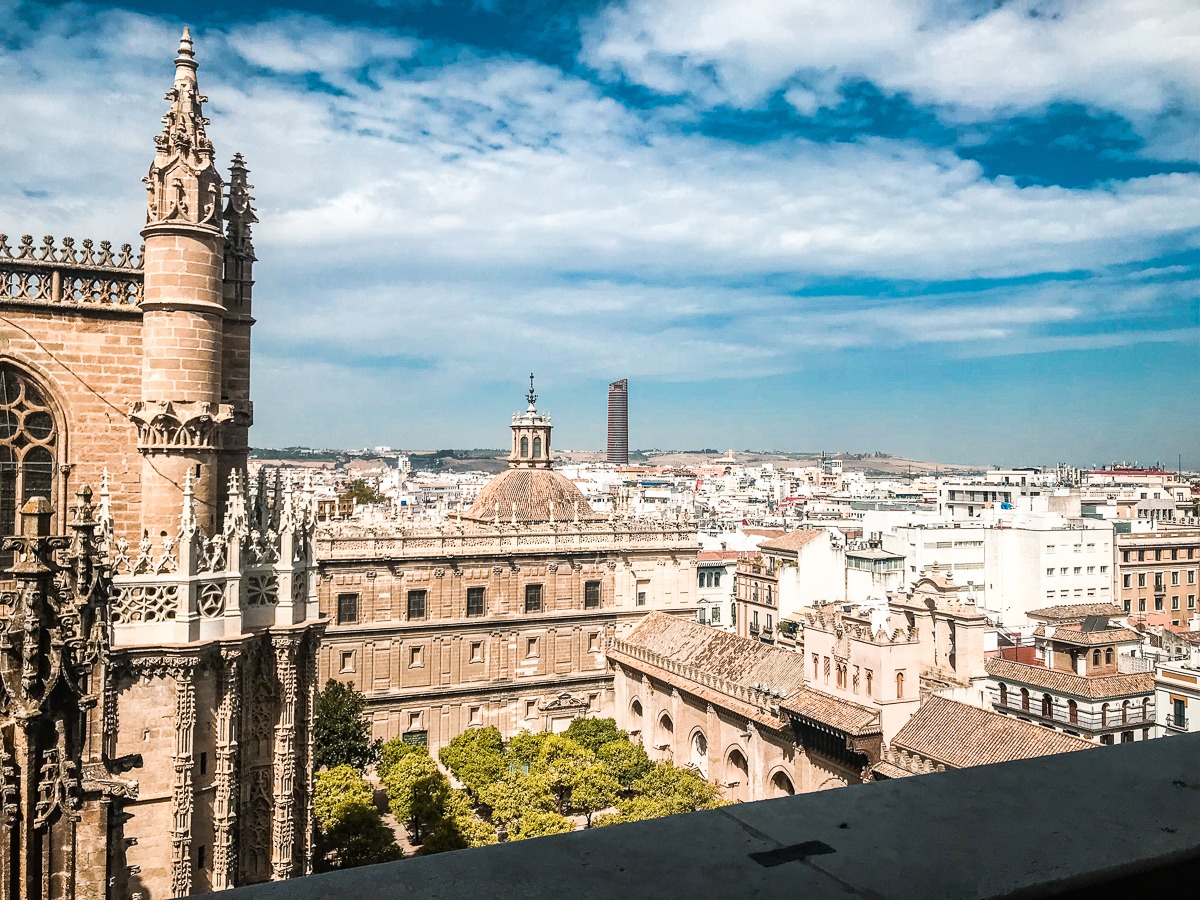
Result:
1024,700
1047,706
666,736
781,785
899,685
1108,656
716,577
1073,712
700,753
1125,713
737,775
1103,715
28,449
1145,709
700,581
869,676
537,448
635,709
524,446
1004,695
1096,657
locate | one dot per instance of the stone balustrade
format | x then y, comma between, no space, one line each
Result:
66,275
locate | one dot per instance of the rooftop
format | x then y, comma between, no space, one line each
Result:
1076,612
1072,634
959,735
1055,826
794,540
1095,687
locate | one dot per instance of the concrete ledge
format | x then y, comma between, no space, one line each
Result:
1126,816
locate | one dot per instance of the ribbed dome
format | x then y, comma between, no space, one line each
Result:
532,492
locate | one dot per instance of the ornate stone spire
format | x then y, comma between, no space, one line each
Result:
183,186
531,436
239,211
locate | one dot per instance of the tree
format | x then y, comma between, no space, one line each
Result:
333,788
592,734
417,793
524,748
560,761
626,761
341,736
362,493
476,757
391,752
677,789
593,788
537,823
349,829
458,828
516,794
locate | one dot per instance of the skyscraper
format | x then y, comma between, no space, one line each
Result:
618,422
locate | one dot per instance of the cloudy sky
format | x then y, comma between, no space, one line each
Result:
962,230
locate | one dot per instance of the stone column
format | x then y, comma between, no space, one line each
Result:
755,764
182,799
225,801
283,825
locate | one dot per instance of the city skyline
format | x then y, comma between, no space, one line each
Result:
855,227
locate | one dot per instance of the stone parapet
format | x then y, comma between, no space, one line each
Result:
63,275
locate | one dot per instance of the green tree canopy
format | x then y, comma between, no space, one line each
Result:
592,734
476,757
458,828
515,794
626,761
417,793
536,823
341,736
674,787
349,829
362,493
391,752
593,788
524,747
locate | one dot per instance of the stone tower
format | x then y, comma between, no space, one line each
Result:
158,636
531,436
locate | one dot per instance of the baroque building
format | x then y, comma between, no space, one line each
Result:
501,616
158,619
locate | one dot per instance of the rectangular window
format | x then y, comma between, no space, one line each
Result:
533,598
641,598
475,601
347,609
475,715
1191,601
1050,571
1141,579
768,621
1103,570
715,619
1175,602
476,651
416,657
1158,603
531,648
531,709
347,662
416,604
1174,578
1191,577
1091,570
594,642
591,595
1127,581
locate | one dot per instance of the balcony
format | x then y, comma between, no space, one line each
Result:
1067,819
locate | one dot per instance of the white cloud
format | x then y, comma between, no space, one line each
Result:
1136,57
460,216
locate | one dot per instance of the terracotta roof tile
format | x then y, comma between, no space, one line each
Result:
794,540
1076,611
852,718
1096,687
531,495
1072,635
958,735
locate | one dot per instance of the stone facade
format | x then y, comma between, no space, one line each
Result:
160,632
501,617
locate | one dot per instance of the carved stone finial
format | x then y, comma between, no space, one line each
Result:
183,186
239,211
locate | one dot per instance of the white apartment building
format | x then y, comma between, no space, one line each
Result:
1032,561
715,571
955,549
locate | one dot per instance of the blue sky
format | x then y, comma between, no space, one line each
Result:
949,229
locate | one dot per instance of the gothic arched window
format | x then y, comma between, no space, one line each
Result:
28,447
537,448
524,446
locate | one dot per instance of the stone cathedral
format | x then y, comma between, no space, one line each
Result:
158,615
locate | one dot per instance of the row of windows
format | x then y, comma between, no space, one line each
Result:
1077,570
416,655
1159,579
1158,603
709,617
709,578
347,604
1047,708
844,679
1176,553
1077,548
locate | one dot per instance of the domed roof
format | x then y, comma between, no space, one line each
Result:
529,495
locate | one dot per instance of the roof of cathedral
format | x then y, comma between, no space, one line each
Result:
715,652
958,735
530,495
